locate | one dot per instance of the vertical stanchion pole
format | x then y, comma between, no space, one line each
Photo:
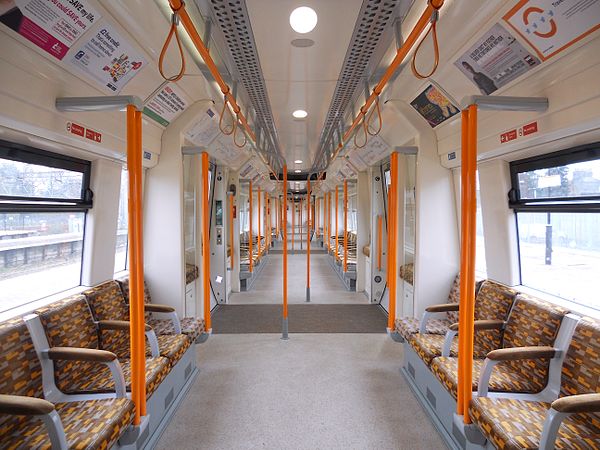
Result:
326,222
469,184
206,241
258,243
379,241
345,226
300,221
284,331
231,219
463,264
392,232
293,222
337,201
250,249
308,240
136,286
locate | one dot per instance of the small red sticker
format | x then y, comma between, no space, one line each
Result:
93,135
530,128
80,130
508,136
76,129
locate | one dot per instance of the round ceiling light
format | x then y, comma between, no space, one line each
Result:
298,161
303,19
299,114
297,171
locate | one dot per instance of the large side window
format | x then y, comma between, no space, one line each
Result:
122,223
557,203
43,201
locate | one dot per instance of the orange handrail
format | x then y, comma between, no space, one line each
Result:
178,7
206,241
231,230
250,249
337,201
379,241
293,222
136,262
285,304
401,53
308,234
258,243
392,235
345,225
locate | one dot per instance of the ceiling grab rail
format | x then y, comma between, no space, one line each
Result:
178,7
402,52
379,118
227,132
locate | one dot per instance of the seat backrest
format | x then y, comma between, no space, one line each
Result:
20,368
581,367
492,302
124,283
107,302
454,297
533,322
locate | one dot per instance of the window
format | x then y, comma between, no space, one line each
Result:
122,223
43,200
557,203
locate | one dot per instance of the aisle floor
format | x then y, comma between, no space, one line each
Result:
329,391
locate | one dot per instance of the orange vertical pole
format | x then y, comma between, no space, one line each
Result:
250,249
345,225
308,240
300,220
325,222
337,201
136,261
231,219
293,221
284,334
392,233
258,243
205,241
470,208
379,241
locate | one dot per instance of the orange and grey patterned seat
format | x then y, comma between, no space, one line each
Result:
492,302
531,323
27,420
107,302
407,326
69,323
190,326
570,422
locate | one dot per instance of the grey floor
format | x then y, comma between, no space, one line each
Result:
314,391
325,285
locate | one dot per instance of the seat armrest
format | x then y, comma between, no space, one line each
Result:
480,325
31,406
510,354
519,353
443,307
155,307
582,403
80,354
21,405
122,325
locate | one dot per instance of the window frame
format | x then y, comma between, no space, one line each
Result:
582,153
30,155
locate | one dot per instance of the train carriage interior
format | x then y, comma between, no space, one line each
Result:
299,224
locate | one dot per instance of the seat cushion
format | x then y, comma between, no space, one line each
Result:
89,377
429,346
173,346
190,326
93,424
515,424
407,326
504,377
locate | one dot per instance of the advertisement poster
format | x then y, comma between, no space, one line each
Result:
204,130
550,26
495,60
166,105
434,106
109,59
52,25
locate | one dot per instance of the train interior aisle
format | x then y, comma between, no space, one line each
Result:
339,224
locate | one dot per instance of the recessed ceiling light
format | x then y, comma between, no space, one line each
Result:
297,171
299,114
298,161
303,19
